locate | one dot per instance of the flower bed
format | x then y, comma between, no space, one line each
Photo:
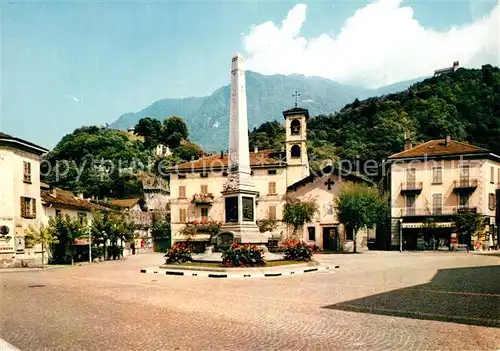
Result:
243,256
298,250
179,253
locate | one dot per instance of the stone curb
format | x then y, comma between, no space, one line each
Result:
241,274
240,270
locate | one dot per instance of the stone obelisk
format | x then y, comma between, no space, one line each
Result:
239,190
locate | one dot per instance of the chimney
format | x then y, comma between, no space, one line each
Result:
54,192
221,154
447,140
456,65
256,149
408,144
80,196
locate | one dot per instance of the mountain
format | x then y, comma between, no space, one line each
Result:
267,97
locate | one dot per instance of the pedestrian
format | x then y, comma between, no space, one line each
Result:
490,244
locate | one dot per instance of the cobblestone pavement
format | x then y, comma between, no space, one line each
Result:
374,301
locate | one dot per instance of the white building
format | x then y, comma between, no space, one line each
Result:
20,203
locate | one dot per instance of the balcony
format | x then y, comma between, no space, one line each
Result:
465,185
443,211
203,199
411,188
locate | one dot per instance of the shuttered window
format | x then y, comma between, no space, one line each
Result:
272,212
28,207
27,172
182,192
182,215
272,188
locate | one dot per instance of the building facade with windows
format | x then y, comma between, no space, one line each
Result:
20,204
195,187
325,230
432,182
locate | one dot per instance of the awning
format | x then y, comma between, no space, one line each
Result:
421,225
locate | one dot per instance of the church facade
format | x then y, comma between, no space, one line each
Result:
196,189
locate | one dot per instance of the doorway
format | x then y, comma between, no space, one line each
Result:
331,240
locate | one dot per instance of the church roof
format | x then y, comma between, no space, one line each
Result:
296,111
439,147
328,170
261,159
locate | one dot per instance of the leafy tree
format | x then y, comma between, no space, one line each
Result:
151,129
174,131
111,226
359,206
67,230
468,224
45,235
268,136
161,229
89,159
297,212
187,151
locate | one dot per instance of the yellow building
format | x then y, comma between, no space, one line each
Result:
435,180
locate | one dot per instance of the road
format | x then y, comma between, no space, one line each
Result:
374,301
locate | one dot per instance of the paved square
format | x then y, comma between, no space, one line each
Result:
375,301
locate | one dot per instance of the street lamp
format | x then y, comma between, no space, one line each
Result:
401,235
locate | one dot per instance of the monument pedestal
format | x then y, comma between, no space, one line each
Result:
240,210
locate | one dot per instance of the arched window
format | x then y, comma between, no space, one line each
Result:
295,127
295,151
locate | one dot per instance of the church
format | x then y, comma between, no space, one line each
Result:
196,191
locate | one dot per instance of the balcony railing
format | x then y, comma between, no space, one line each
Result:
465,184
203,199
411,187
442,211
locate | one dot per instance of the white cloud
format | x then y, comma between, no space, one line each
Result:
74,98
379,44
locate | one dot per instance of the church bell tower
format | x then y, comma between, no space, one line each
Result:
296,149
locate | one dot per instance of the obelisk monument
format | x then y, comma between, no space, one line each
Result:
239,190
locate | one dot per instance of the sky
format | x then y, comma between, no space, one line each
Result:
73,63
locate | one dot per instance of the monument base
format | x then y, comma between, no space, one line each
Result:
245,233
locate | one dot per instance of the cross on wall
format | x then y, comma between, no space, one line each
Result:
329,183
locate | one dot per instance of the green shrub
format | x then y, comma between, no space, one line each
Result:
298,250
179,253
243,256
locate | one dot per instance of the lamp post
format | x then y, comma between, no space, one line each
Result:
401,235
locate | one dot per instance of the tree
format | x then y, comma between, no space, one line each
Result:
359,206
151,129
174,131
45,235
269,135
161,229
88,161
468,224
67,230
188,151
111,226
297,212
